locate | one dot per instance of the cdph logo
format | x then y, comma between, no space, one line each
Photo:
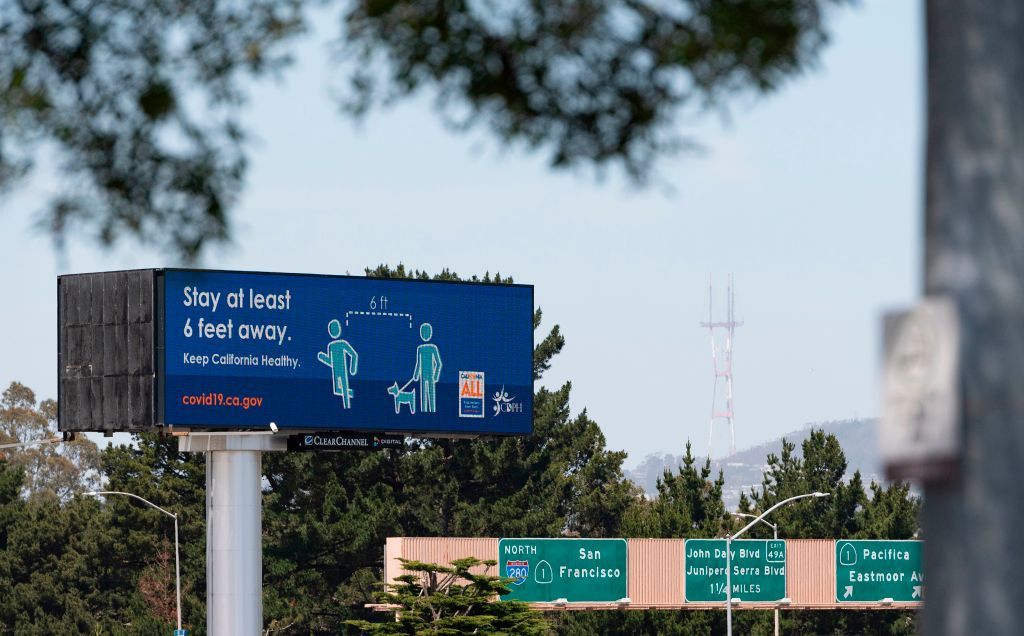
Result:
505,404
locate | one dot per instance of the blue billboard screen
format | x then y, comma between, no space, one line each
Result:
308,352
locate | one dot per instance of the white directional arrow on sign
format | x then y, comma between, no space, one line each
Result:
917,592
849,591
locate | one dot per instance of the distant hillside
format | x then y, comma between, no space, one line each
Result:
745,469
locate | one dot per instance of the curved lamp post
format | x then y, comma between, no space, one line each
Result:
728,552
775,535
177,561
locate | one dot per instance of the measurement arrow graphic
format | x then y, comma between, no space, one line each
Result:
917,592
390,314
849,591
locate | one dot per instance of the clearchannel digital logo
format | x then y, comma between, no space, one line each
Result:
337,440
344,441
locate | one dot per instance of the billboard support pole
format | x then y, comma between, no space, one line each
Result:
234,517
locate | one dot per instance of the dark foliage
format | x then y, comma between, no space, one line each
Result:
598,81
137,101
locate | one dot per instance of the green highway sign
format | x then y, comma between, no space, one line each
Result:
869,571
578,570
758,570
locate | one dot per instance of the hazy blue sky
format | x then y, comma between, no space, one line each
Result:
810,196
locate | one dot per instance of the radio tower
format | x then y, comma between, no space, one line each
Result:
723,366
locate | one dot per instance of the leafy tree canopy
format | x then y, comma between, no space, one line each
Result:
48,469
137,101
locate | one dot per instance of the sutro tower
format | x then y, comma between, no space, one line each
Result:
723,366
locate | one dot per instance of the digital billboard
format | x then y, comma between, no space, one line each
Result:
307,352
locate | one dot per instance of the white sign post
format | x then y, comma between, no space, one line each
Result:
920,433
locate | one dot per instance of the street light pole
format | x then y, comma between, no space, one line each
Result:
46,440
775,535
177,577
177,560
728,552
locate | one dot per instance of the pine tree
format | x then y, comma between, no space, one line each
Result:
436,600
688,504
821,468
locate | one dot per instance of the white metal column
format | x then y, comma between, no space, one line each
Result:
234,537
234,550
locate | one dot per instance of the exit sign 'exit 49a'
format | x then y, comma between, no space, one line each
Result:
758,571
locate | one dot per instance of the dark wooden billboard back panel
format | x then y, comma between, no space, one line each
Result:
105,352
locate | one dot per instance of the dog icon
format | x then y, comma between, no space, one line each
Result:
403,397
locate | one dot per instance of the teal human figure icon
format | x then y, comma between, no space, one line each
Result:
343,360
428,369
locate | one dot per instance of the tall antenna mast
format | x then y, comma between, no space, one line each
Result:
722,367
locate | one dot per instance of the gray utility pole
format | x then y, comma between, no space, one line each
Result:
974,254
